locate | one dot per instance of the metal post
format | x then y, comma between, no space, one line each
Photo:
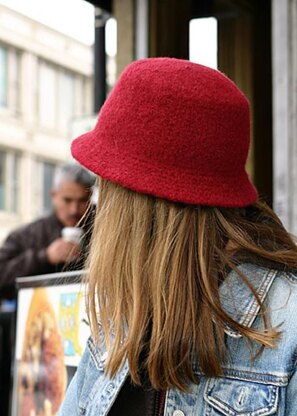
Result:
99,59
141,29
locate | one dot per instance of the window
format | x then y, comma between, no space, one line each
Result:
65,100
47,179
2,180
9,181
111,51
47,96
61,97
3,77
42,186
203,41
9,78
80,102
14,64
14,182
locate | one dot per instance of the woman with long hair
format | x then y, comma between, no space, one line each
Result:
192,282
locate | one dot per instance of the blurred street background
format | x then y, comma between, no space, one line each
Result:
60,58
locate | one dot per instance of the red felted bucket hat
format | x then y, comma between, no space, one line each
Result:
176,130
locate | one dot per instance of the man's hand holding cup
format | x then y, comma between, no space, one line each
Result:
67,248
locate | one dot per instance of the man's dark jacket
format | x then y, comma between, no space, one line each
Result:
24,251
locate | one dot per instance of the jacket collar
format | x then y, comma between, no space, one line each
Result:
236,297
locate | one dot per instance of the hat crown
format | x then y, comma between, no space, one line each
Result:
173,120
181,113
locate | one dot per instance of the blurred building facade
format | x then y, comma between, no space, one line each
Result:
45,84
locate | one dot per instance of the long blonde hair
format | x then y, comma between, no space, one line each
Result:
155,268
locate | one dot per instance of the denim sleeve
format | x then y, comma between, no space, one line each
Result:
291,401
70,405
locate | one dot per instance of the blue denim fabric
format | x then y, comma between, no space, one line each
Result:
266,385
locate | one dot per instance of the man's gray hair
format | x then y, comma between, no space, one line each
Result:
73,172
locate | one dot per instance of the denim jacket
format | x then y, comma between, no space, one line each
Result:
262,386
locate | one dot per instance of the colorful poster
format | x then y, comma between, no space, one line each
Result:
52,330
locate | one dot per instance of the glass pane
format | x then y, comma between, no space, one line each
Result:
14,75
65,101
2,179
80,96
3,77
48,174
15,184
47,95
111,51
204,41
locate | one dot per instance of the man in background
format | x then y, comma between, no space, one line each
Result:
38,247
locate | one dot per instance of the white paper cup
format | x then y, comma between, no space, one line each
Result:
72,234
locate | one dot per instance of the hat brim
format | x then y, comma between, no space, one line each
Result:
178,186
